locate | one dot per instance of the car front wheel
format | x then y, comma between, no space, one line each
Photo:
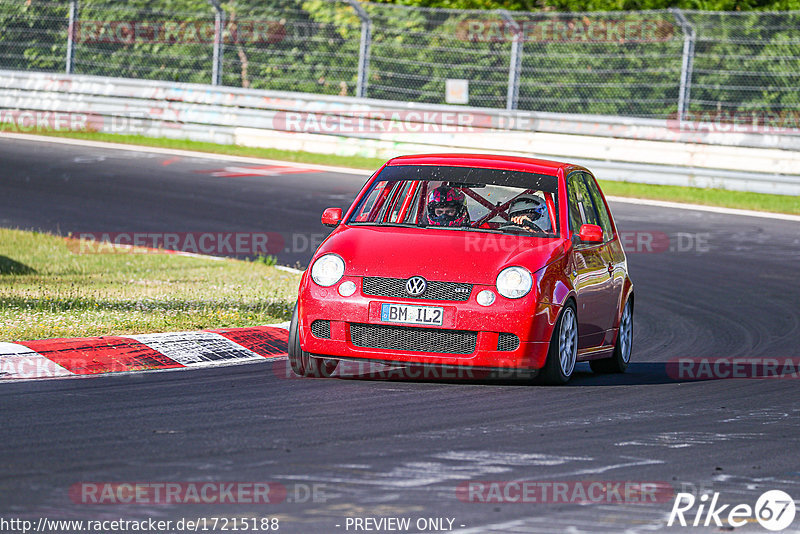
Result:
563,349
303,363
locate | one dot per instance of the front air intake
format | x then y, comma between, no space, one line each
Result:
413,339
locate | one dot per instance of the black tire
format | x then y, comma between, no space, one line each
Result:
303,363
296,354
557,370
618,363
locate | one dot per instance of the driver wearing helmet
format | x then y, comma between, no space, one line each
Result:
446,207
530,212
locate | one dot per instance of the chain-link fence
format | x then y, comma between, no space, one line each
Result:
643,64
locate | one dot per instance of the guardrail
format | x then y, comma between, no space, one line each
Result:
731,156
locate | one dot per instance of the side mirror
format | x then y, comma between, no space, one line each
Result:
332,216
591,233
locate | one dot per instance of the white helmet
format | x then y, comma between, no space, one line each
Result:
532,205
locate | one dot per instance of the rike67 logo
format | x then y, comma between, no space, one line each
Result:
774,510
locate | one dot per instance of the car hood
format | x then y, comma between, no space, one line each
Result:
447,255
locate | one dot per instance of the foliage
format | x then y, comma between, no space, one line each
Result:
604,5
746,60
269,260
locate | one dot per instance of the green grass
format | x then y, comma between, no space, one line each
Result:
708,197
694,195
47,291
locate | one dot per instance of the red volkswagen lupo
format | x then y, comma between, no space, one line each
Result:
479,261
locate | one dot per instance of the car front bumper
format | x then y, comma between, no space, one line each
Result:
471,335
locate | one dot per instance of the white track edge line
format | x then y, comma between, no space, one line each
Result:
710,209
185,153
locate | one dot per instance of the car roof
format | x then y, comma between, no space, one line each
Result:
488,161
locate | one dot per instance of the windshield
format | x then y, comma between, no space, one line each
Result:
461,198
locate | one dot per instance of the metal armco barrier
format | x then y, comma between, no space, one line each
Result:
616,148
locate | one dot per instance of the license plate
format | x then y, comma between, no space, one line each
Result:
409,314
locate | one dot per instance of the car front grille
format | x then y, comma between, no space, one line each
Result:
413,339
507,342
321,329
396,288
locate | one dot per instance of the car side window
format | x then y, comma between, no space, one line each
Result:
575,219
369,203
581,208
600,206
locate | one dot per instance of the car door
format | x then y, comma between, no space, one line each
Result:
612,252
589,267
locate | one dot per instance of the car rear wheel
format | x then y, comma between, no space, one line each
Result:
303,363
622,350
563,349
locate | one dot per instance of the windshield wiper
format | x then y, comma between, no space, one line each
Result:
466,229
486,230
527,233
459,228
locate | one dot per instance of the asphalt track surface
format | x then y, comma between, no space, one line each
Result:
400,448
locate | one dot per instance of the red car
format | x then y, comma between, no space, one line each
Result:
480,261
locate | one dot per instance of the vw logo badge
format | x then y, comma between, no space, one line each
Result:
416,286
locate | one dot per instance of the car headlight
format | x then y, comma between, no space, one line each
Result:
514,282
327,270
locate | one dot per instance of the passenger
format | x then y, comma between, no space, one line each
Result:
530,212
